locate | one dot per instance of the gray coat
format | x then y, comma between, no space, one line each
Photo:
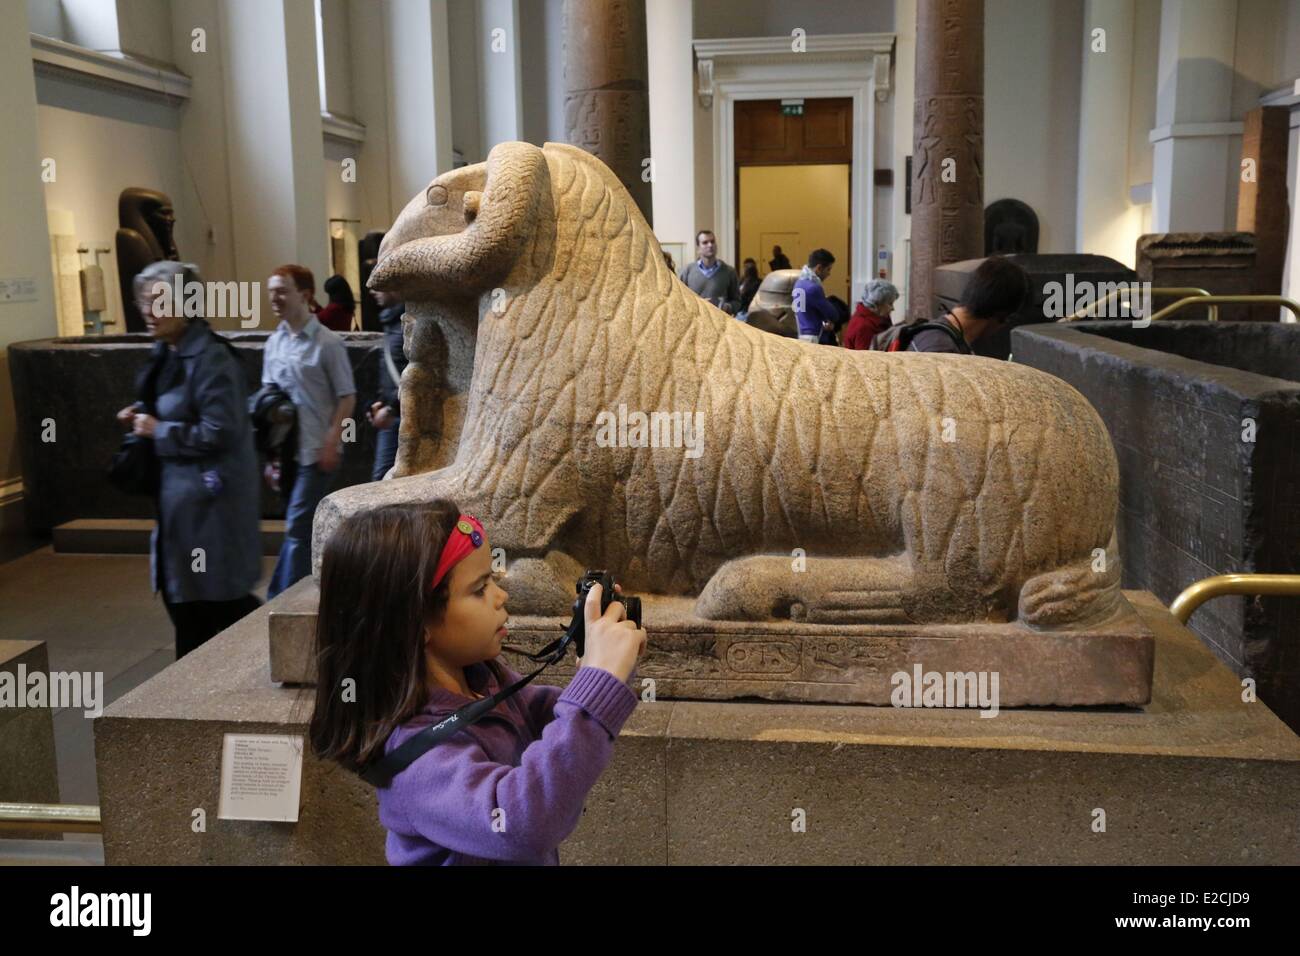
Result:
209,495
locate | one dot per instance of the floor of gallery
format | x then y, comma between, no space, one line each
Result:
94,613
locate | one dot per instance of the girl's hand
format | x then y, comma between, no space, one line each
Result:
613,643
126,417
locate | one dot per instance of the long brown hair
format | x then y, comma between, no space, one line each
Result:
375,603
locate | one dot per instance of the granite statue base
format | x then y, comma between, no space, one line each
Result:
693,659
29,772
1196,776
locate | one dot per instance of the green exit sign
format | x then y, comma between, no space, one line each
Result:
792,109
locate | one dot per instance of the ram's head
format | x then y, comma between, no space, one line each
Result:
463,234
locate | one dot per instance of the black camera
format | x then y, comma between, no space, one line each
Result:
577,629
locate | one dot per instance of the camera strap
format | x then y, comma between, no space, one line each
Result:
381,772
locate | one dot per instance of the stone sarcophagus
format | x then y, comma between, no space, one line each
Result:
804,522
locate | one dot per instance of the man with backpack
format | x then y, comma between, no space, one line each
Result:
995,292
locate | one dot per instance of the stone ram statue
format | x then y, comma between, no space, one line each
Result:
806,482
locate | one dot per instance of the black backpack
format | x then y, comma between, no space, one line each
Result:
898,338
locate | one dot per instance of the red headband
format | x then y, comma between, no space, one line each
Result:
467,535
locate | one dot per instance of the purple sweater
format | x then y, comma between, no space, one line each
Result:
510,788
817,308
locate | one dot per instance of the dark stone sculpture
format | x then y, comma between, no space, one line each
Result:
368,255
1010,227
1067,269
145,220
1224,263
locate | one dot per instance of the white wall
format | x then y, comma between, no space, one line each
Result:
144,28
334,22
500,91
554,32
902,98
24,246
379,203
46,18
1032,62
755,18
535,52
466,124
103,143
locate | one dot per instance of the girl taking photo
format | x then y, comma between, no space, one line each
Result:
412,614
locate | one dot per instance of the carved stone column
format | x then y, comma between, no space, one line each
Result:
606,95
948,143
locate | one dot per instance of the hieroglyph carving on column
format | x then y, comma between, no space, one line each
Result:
606,91
948,142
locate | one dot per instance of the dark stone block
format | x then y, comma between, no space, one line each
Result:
81,383
1196,499
1045,268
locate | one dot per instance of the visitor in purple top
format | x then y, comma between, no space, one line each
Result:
507,789
812,310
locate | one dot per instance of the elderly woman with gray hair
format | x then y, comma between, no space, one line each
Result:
206,547
871,316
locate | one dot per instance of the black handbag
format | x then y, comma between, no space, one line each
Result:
135,469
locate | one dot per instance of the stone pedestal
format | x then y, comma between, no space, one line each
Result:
1194,777
29,772
948,143
693,659
1203,416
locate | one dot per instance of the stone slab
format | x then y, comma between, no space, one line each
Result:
131,536
1177,399
693,659
1196,776
29,772
80,381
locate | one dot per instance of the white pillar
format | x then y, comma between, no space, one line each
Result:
274,147
672,120
1291,275
1106,222
419,95
25,238
203,137
501,91
1192,162
904,104
367,42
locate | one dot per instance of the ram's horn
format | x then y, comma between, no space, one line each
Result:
499,221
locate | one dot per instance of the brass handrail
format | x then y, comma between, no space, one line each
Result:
1211,300
1126,288
1285,585
50,818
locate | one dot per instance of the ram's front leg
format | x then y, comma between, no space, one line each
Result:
830,590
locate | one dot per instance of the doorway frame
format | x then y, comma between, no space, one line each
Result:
853,65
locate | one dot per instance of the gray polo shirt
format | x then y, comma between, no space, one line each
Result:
313,369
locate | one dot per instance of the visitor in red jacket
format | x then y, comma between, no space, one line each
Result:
871,315
337,316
